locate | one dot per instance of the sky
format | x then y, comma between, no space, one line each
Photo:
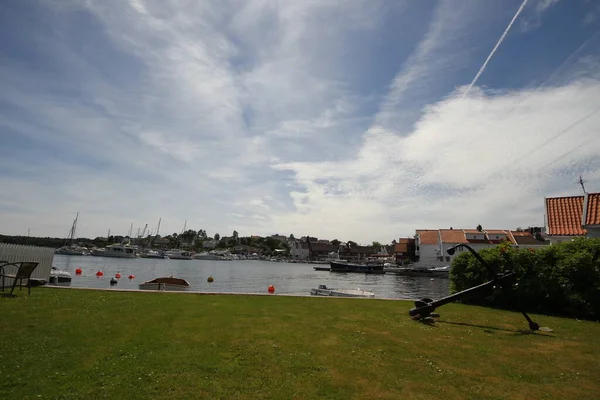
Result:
351,119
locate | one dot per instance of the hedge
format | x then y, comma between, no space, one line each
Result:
559,279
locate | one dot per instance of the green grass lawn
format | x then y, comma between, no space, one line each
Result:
74,344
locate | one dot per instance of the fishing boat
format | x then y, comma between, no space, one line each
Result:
362,268
165,283
323,290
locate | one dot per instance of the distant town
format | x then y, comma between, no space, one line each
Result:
565,219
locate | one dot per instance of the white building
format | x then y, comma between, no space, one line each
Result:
299,250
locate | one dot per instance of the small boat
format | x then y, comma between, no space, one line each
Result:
59,276
323,290
165,283
322,268
432,272
362,268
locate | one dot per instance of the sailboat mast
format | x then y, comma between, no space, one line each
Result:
158,229
74,229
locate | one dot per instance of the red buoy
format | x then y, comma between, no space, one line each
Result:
271,289
99,273
118,275
78,271
131,276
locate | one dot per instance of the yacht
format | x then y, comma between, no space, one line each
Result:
153,254
118,250
177,254
70,248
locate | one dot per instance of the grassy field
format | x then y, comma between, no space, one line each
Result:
73,344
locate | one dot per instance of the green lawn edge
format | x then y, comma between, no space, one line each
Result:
72,344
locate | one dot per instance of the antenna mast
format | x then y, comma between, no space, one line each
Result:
581,182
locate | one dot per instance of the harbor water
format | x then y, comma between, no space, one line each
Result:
247,276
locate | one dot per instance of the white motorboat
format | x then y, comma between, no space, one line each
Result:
179,255
323,290
59,276
153,254
117,250
165,283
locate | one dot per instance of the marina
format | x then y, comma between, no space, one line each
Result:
242,276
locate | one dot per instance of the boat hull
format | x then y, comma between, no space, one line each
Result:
163,286
348,267
341,293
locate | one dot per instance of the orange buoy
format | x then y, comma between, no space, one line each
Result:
78,271
118,275
131,276
99,273
271,289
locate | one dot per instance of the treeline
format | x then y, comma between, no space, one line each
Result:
559,279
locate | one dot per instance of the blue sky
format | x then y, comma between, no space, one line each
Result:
344,119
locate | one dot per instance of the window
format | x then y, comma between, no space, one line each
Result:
447,258
440,258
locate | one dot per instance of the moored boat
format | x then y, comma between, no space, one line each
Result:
116,250
323,290
179,254
59,276
362,268
165,283
432,272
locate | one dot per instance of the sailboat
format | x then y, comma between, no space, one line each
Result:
70,248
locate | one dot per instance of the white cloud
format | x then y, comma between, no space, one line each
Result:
468,161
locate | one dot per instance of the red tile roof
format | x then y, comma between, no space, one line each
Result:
428,236
453,236
524,238
472,231
564,216
495,232
593,209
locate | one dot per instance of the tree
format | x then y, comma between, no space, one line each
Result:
479,228
376,245
335,242
217,237
394,242
292,236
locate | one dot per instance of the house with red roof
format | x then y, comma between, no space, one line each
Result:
572,216
431,245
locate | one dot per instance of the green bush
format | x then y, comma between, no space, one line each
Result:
559,279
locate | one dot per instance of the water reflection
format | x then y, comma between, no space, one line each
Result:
244,276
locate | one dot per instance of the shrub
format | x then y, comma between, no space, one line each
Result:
559,279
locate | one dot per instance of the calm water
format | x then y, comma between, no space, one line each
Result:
243,276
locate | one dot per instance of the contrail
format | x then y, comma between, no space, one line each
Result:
496,47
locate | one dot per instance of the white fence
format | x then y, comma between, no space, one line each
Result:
17,253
